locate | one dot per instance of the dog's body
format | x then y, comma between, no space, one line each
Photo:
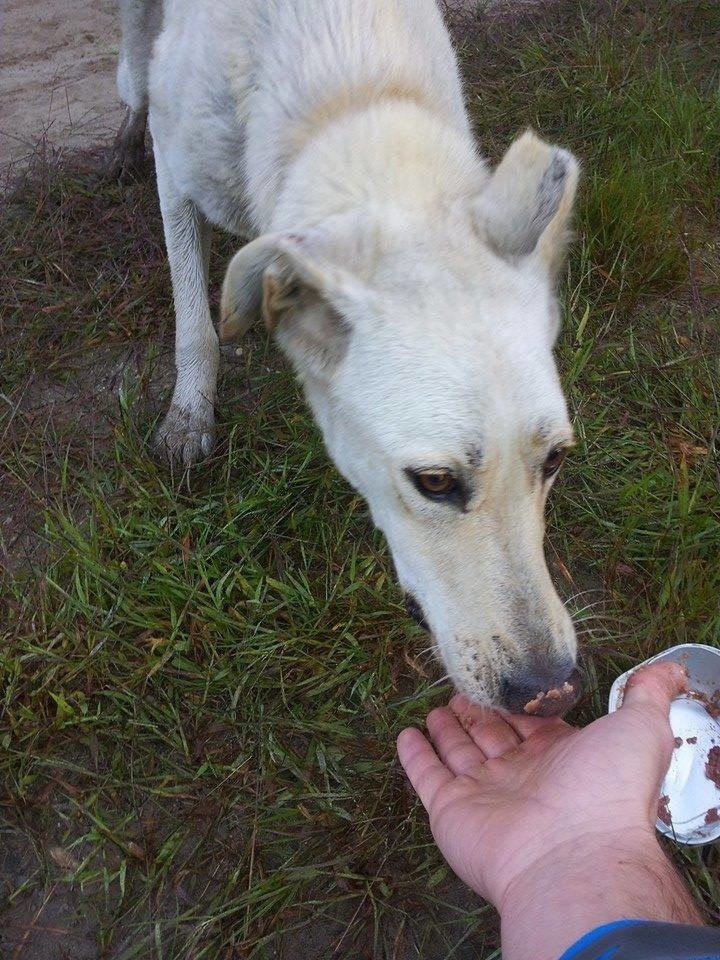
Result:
411,289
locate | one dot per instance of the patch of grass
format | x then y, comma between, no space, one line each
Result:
641,111
201,686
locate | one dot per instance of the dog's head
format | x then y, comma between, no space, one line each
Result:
426,350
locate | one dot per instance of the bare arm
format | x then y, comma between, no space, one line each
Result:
585,885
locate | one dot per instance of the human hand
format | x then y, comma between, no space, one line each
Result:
514,799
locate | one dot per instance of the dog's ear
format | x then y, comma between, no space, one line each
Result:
305,296
526,204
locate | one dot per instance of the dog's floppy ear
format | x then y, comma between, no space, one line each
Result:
303,294
527,201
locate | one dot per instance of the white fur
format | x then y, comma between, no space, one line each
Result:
411,288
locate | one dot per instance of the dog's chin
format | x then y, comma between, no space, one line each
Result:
478,696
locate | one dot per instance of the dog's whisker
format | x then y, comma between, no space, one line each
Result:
583,593
422,692
588,606
594,612
425,651
594,618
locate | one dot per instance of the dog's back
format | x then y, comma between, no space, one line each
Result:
236,85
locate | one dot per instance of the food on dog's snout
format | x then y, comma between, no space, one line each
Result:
663,810
551,702
712,767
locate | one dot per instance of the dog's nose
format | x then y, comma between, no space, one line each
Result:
415,611
541,693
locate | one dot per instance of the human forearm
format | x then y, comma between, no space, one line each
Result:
582,885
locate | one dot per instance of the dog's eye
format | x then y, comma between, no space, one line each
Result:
553,462
436,483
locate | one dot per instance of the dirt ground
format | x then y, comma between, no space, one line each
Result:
57,75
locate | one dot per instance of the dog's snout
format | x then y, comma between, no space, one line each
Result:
415,611
542,693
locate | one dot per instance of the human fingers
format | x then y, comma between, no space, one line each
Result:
425,771
643,719
647,698
524,726
488,729
455,748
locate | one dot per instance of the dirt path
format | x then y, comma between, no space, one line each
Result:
57,75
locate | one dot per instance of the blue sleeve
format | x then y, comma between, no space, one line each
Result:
645,940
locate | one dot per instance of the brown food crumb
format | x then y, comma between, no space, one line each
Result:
467,721
713,815
692,739
664,811
532,705
714,704
565,692
678,742
712,767
711,703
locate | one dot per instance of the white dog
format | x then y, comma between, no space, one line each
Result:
411,287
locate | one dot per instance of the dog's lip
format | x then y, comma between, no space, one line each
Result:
415,611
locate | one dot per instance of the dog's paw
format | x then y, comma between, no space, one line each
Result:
184,437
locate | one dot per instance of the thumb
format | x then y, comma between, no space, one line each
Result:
654,687
648,695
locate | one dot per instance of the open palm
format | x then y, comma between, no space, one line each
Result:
504,793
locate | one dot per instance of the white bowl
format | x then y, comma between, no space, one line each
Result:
689,800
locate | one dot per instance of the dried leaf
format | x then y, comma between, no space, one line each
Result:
135,850
564,570
63,859
186,546
688,451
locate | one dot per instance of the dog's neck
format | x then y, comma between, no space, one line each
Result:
412,159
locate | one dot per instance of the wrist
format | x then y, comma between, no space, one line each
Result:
583,883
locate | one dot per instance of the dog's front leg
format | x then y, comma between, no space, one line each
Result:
188,431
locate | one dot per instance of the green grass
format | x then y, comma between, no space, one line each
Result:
201,683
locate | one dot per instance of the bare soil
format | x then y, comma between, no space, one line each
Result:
57,76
